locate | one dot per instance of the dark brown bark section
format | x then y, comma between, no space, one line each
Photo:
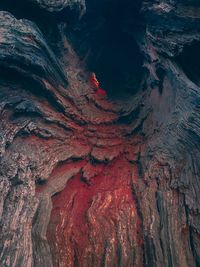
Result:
92,181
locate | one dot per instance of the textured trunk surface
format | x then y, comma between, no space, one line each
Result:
88,180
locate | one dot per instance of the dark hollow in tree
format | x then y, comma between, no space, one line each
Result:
94,180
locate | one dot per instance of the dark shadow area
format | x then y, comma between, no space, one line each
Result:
118,66
23,9
189,60
105,40
189,2
16,79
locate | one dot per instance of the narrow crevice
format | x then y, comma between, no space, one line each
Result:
139,212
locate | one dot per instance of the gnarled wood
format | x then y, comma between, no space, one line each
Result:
88,180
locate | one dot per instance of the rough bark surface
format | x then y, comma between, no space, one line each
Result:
88,180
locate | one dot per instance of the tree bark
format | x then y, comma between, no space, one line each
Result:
88,180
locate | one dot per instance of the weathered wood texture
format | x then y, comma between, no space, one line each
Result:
92,181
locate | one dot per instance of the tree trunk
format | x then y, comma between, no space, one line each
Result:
90,180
